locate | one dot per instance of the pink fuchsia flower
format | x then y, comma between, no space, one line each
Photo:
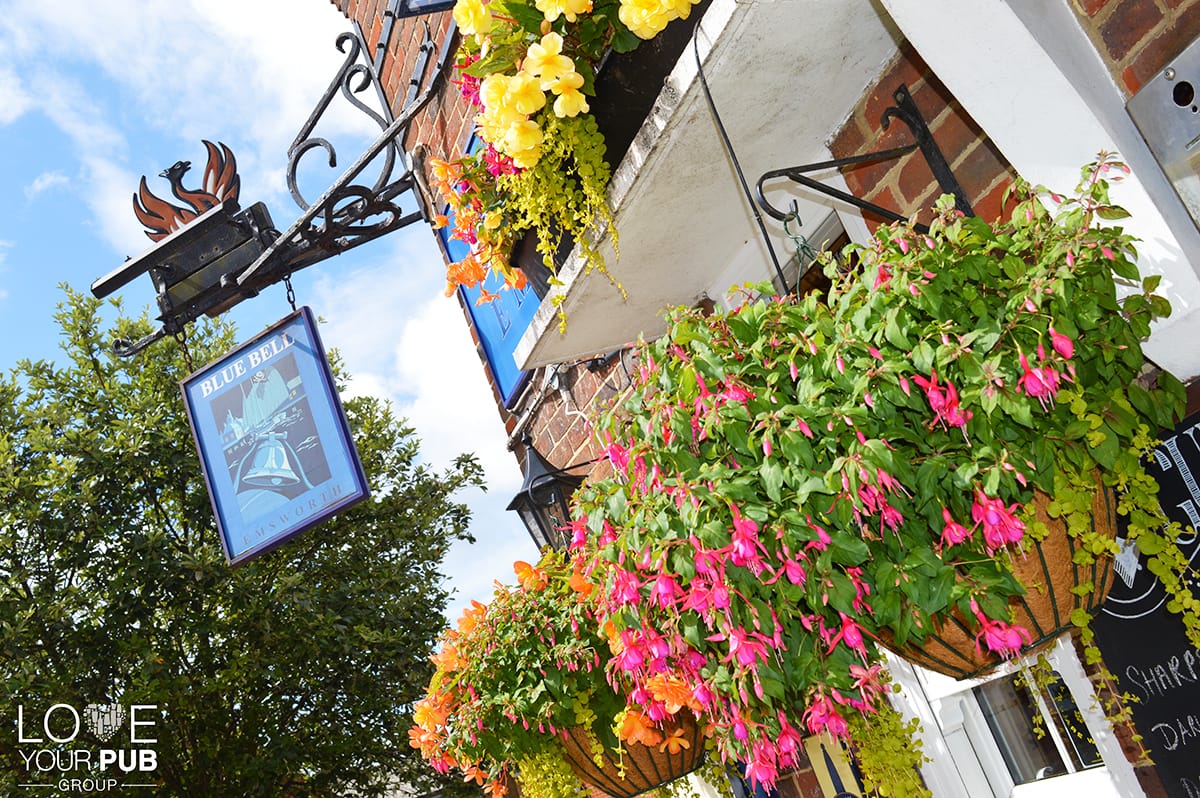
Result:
1039,383
498,163
626,588
632,654
1000,524
822,716
882,277
866,682
1062,344
743,647
1003,638
943,400
762,768
790,742
954,532
744,549
736,393
617,454
665,591
850,634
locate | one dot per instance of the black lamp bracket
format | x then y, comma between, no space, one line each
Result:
907,112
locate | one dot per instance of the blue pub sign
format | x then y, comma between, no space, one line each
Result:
274,445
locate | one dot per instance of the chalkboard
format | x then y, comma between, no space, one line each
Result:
1143,643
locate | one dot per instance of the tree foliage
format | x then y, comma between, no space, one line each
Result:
292,675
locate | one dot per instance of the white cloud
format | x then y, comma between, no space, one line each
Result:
44,182
244,73
13,99
401,339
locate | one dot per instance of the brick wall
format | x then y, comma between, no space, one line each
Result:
441,129
1136,38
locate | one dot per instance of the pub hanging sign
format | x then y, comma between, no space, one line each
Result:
273,440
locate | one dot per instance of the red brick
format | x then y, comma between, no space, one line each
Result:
990,206
979,170
932,98
867,177
885,198
1150,782
1182,29
849,140
1091,7
908,69
955,133
1130,23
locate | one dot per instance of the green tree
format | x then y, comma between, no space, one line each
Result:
290,676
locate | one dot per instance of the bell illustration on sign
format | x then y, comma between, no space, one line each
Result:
272,449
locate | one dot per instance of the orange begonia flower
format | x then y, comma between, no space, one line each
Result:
674,743
529,577
471,617
578,582
672,691
447,659
496,789
636,728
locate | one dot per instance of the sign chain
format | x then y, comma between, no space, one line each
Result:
291,292
181,338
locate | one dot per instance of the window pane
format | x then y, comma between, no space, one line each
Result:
1009,712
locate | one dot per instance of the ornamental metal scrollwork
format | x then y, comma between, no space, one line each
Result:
210,254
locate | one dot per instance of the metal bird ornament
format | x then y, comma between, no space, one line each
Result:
220,183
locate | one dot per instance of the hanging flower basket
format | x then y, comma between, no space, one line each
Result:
645,766
1050,574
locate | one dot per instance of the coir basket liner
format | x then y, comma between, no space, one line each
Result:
645,767
1049,573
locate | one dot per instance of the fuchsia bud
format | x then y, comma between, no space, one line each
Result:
1062,344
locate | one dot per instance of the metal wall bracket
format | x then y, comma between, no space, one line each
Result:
907,112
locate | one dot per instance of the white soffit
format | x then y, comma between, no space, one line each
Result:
784,75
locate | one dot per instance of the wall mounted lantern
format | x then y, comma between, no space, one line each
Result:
543,502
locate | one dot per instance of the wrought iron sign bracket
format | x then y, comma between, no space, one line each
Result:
907,112
349,214
210,254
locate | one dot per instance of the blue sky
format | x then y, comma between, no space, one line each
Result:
93,95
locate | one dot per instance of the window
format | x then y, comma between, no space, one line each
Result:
1038,728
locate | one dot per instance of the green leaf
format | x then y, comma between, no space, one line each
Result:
772,476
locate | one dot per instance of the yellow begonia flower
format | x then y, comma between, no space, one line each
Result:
570,100
473,17
522,136
528,158
570,103
492,220
493,92
553,9
545,60
678,9
644,18
525,93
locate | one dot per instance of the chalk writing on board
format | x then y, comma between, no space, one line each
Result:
1176,467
